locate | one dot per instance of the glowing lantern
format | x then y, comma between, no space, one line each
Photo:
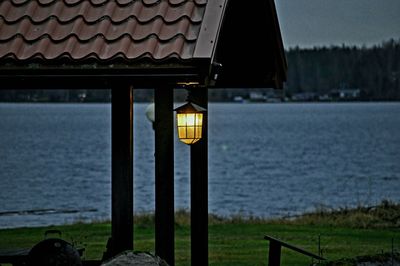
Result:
189,119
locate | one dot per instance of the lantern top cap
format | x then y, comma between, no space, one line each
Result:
190,107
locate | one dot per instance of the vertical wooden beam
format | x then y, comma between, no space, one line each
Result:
274,255
199,186
164,171
122,170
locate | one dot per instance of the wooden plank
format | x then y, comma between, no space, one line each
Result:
292,247
122,170
164,171
199,186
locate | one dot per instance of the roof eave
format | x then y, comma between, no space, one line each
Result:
148,75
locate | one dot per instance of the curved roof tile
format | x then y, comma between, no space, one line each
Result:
105,28
92,13
100,49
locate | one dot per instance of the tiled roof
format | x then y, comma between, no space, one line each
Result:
103,30
222,43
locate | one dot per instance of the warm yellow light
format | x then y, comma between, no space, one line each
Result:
190,123
189,127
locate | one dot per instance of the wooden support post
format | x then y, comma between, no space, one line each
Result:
199,186
164,171
122,171
274,255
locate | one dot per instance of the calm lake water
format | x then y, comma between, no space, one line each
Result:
264,159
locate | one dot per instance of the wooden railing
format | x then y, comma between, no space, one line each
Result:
275,245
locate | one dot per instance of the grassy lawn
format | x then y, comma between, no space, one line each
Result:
233,241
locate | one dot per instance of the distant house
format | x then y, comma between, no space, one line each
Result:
324,97
304,96
256,96
346,94
238,99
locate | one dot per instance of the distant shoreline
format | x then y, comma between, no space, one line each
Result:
382,215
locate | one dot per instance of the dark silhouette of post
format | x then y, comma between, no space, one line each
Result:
274,255
122,171
164,172
199,186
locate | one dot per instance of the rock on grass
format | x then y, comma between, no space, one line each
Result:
130,258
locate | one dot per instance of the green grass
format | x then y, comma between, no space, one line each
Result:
233,241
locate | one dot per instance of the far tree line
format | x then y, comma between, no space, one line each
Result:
375,70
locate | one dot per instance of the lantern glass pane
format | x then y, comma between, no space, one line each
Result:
190,131
198,132
190,119
181,119
199,119
182,132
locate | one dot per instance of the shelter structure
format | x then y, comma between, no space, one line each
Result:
155,44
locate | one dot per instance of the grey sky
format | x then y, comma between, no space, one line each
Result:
310,23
